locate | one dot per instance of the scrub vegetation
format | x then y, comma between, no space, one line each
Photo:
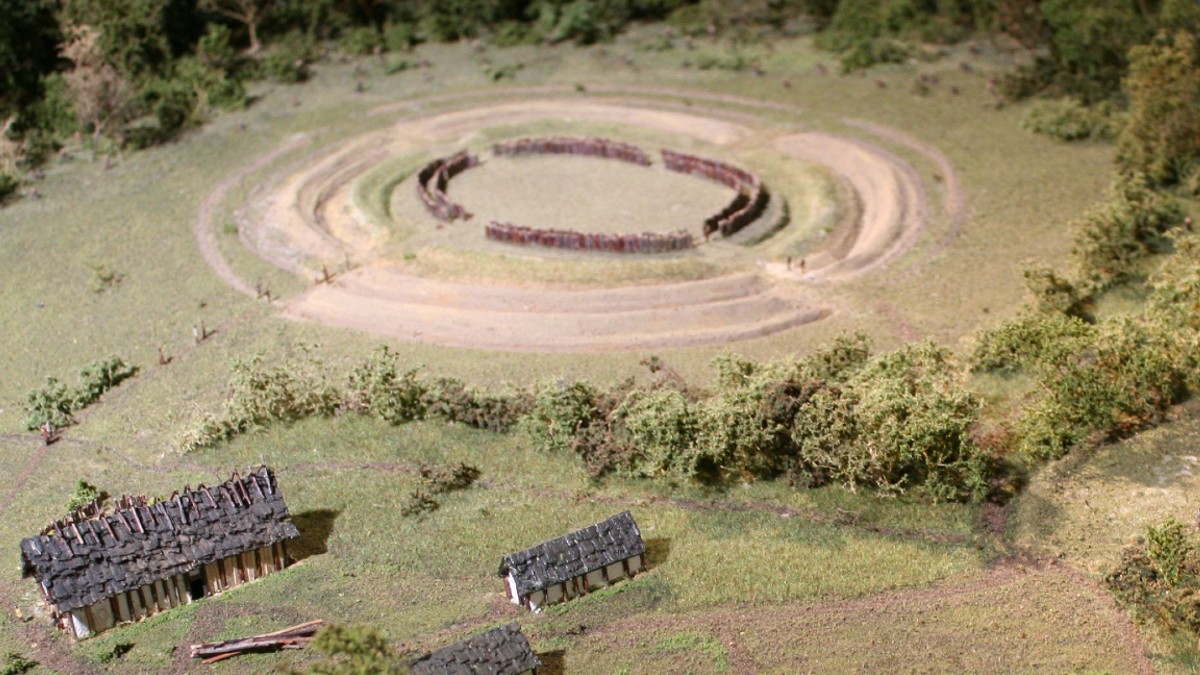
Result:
930,472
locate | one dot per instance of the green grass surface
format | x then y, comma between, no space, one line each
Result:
765,576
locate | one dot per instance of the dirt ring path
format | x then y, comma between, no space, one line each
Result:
309,219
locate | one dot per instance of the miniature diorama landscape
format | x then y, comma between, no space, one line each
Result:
711,342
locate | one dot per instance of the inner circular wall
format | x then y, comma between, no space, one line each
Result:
587,194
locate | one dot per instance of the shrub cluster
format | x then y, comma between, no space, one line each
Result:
57,403
1107,379
1066,119
1160,578
896,422
436,481
1114,238
262,394
16,663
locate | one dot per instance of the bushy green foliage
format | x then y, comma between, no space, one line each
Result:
583,21
579,418
362,41
897,422
866,52
355,650
29,37
1169,548
1066,119
1160,579
53,402
1121,380
561,411
443,479
453,401
1162,139
913,416
16,663
1112,239
1053,293
85,493
377,388
132,32
288,59
1089,42
452,20
735,62
867,32
9,185
50,118
1029,339
1174,302
399,36
263,394
663,426
56,403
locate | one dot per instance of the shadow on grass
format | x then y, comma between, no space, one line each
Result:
658,550
315,527
553,663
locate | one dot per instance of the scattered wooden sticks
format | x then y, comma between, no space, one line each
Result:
296,637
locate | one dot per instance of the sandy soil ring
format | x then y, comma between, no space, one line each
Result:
309,218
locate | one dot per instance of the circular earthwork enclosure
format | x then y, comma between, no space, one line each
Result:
723,225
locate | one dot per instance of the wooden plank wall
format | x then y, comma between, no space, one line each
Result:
159,596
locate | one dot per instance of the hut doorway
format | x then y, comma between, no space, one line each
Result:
197,585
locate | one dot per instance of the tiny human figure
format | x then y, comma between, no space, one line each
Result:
789,262
47,432
802,265
1187,223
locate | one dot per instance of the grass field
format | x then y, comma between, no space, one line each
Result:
756,578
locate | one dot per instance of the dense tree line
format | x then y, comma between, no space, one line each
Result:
136,72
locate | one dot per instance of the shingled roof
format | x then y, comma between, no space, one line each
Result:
83,561
575,554
500,651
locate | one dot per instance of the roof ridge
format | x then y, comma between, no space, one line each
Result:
234,486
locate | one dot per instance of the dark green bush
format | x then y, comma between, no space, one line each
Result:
1066,119
560,410
451,400
441,479
8,186
1111,240
1120,381
355,650
56,403
1053,293
289,58
362,41
1162,139
1160,579
377,388
913,417
1028,340
663,427
866,52
399,36
85,493
16,663
53,403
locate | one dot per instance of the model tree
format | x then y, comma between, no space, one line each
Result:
247,12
